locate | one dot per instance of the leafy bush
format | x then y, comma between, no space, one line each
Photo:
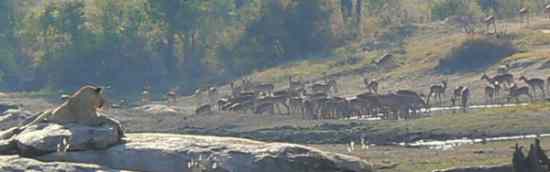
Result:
476,54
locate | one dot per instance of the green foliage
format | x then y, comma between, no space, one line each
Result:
466,57
169,42
442,9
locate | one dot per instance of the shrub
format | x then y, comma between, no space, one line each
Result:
476,54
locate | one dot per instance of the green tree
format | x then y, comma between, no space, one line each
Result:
8,64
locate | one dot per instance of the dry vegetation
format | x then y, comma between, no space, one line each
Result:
400,159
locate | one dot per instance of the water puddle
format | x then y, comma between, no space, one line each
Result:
450,144
436,109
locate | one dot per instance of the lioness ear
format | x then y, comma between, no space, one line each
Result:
98,90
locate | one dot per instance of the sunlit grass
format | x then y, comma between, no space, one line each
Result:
497,121
315,67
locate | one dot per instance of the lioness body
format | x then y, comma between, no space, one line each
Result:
80,108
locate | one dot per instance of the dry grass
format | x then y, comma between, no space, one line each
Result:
400,159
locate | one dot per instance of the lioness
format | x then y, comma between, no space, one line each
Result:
79,108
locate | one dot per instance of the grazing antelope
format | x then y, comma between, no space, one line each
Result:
240,106
372,86
204,109
263,108
437,90
457,95
547,10
500,78
534,84
296,105
502,69
399,104
320,88
294,85
264,89
222,103
282,93
490,21
516,91
276,100
524,14
414,99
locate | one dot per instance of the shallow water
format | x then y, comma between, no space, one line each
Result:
450,144
438,109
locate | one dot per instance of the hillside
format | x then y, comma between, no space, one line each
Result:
423,57
55,46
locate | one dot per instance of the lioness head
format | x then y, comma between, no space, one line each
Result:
87,97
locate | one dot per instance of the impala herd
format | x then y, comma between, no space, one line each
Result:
319,101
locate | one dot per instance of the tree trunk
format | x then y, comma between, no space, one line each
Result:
191,65
359,11
169,55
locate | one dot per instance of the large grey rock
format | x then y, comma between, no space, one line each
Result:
47,137
6,106
497,168
13,117
16,163
186,153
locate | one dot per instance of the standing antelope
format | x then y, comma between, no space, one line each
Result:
524,14
490,93
275,100
437,90
204,109
457,94
416,101
516,91
372,86
534,84
490,20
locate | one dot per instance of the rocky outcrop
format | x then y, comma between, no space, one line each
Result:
13,117
4,107
46,138
16,163
498,168
186,153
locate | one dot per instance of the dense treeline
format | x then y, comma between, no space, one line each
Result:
188,43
